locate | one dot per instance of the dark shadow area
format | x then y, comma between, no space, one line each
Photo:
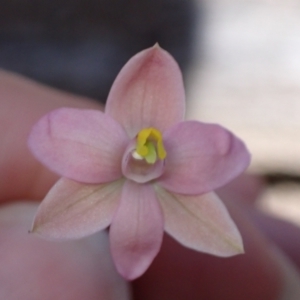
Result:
80,45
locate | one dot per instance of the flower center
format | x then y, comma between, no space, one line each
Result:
143,160
149,146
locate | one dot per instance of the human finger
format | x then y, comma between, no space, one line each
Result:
33,268
22,103
179,273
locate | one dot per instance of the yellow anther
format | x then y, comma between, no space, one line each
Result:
161,150
150,145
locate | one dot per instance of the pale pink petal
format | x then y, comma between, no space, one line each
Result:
201,157
74,210
136,231
139,170
84,145
148,92
201,223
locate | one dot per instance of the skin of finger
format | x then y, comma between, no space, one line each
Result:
179,273
22,103
34,269
246,191
283,233
246,188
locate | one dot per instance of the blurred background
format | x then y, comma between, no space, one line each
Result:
247,78
81,45
240,60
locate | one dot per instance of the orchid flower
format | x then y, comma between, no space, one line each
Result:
139,168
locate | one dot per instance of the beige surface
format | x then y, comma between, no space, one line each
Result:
282,200
249,78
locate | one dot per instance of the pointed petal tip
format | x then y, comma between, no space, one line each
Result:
156,46
34,227
73,210
159,54
149,90
241,250
36,230
201,223
41,230
237,248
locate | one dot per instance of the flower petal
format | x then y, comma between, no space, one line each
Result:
201,223
136,231
74,210
148,92
84,145
201,157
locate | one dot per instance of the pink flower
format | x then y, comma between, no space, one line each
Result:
139,168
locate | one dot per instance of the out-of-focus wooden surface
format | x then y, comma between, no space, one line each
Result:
247,78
